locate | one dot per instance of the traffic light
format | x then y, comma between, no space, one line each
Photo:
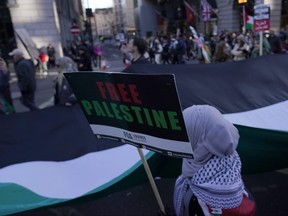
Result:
89,12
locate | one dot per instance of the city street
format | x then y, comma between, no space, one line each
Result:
45,91
268,189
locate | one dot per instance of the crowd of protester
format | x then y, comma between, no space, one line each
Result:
181,48
164,49
85,55
227,46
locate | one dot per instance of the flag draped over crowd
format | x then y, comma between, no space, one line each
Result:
51,156
252,94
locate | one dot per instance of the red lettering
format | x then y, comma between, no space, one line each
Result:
102,89
112,91
134,94
123,93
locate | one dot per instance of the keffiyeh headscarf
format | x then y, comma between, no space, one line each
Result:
214,175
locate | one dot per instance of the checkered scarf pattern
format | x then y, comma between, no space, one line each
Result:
218,184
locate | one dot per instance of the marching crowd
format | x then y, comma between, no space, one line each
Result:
227,46
164,49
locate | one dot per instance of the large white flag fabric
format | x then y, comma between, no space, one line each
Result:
204,52
57,158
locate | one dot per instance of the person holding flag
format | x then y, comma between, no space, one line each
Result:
202,48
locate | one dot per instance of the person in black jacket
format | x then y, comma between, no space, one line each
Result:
275,44
137,47
84,62
25,71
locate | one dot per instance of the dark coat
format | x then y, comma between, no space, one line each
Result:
25,71
85,63
141,60
63,93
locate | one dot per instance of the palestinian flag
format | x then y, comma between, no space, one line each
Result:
252,94
248,20
51,156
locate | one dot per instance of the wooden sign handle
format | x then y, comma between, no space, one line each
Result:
151,180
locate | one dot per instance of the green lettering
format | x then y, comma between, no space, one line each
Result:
109,114
98,109
153,118
127,116
87,106
116,111
137,111
148,117
174,121
159,119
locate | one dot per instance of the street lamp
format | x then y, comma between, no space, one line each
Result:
241,2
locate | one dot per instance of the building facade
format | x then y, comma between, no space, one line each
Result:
36,23
225,15
152,17
129,18
119,15
105,22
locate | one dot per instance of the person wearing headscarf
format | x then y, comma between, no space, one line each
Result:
63,93
241,49
211,182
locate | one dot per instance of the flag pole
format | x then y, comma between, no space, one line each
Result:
192,9
151,180
244,17
261,43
